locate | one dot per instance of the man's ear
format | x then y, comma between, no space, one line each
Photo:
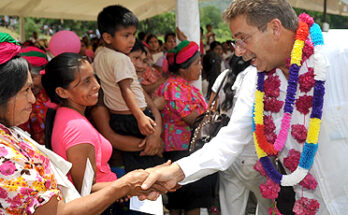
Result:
107,37
61,92
276,28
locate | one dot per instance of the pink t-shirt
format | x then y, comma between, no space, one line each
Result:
70,129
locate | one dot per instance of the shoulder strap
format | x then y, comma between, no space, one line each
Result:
217,92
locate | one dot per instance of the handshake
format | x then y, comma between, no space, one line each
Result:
150,183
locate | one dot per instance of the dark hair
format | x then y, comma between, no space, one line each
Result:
141,35
211,69
150,37
13,76
169,34
59,72
138,46
214,44
237,65
111,18
208,25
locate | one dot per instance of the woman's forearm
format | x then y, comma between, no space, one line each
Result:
94,203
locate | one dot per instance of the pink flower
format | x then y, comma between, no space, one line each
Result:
48,184
304,103
258,167
269,124
292,160
271,86
270,189
15,201
306,80
26,191
271,137
307,19
288,61
308,50
3,193
3,151
7,168
272,211
272,104
305,206
299,132
309,182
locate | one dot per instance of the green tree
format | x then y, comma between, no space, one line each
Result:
212,15
158,25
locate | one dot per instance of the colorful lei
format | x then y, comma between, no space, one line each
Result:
262,146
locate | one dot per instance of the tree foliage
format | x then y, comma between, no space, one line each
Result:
212,15
159,25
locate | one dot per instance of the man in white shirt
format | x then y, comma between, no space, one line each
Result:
266,30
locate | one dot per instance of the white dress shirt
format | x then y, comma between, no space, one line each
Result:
330,166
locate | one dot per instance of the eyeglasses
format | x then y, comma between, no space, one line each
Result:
241,43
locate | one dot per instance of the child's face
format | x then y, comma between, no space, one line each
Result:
123,40
139,59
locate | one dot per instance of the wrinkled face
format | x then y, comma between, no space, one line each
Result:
193,72
19,106
254,44
153,43
83,91
170,43
123,40
140,61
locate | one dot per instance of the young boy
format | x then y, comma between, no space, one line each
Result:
123,94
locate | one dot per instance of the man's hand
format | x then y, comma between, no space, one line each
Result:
134,179
168,175
146,125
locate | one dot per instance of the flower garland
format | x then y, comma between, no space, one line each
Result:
263,147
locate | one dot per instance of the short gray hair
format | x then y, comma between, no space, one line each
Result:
260,12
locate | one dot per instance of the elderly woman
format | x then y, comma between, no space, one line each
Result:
29,181
180,103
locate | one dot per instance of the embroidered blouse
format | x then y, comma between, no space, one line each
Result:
26,180
182,99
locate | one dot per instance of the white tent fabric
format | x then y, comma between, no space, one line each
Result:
89,9
81,9
339,7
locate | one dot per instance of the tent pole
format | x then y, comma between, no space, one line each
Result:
21,29
187,19
326,25
325,10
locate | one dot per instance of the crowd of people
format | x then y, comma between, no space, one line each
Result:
125,107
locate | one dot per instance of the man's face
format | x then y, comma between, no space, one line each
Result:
254,44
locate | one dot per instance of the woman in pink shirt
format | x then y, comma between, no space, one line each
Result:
70,82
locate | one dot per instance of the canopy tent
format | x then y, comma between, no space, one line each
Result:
81,9
89,9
